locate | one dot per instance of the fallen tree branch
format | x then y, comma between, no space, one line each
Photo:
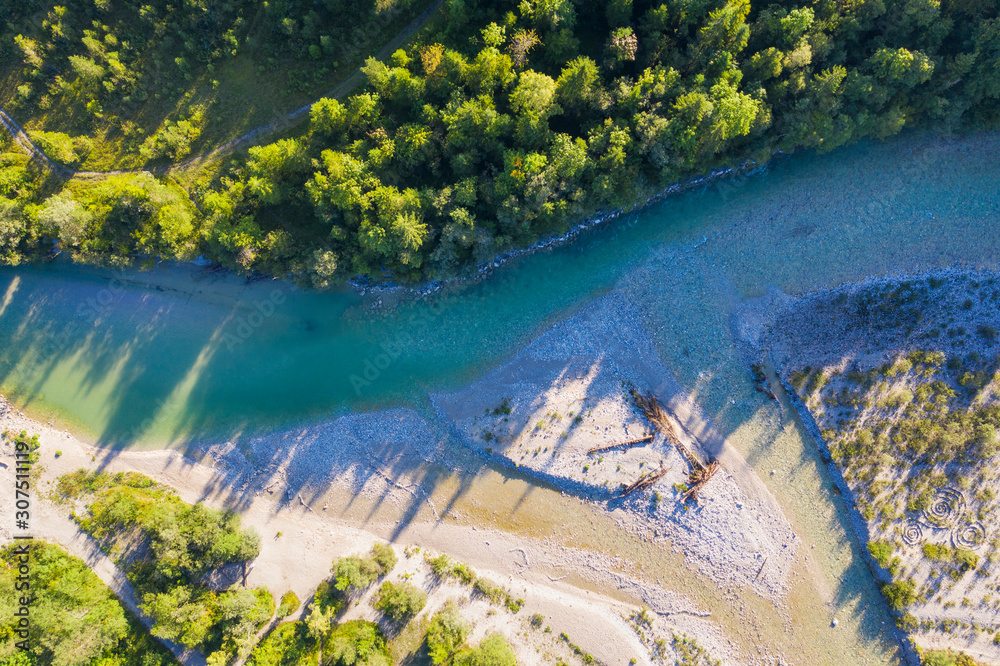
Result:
627,444
698,478
645,481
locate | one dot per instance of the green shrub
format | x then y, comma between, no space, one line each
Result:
900,398
937,552
882,552
289,644
356,573
490,590
966,558
900,595
385,557
445,568
497,595
289,604
173,140
947,658
492,651
400,601
446,634
988,333
900,367
356,643
62,148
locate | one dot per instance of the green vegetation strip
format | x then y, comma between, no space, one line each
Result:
320,638
917,438
75,619
166,548
503,122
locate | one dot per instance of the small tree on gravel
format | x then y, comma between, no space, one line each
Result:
400,601
319,622
356,573
446,634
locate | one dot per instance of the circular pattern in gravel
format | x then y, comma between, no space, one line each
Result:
947,508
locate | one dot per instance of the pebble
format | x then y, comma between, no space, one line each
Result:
835,622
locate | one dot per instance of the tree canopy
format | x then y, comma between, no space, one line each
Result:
506,122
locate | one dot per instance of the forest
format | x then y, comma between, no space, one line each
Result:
166,547
77,619
499,123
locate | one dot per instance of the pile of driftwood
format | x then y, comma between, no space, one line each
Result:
700,472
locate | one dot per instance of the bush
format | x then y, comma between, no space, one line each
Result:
288,644
947,658
62,148
385,557
987,332
492,651
966,558
882,552
497,595
490,590
289,604
445,568
899,595
446,634
173,140
356,573
356,643
937,552
400,601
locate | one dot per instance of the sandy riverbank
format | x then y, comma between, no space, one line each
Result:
568,392
569,587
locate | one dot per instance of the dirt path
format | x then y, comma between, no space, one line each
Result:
289,119
22,139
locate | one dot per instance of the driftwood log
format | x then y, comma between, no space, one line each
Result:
645,481
699,477
627,444
700,472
